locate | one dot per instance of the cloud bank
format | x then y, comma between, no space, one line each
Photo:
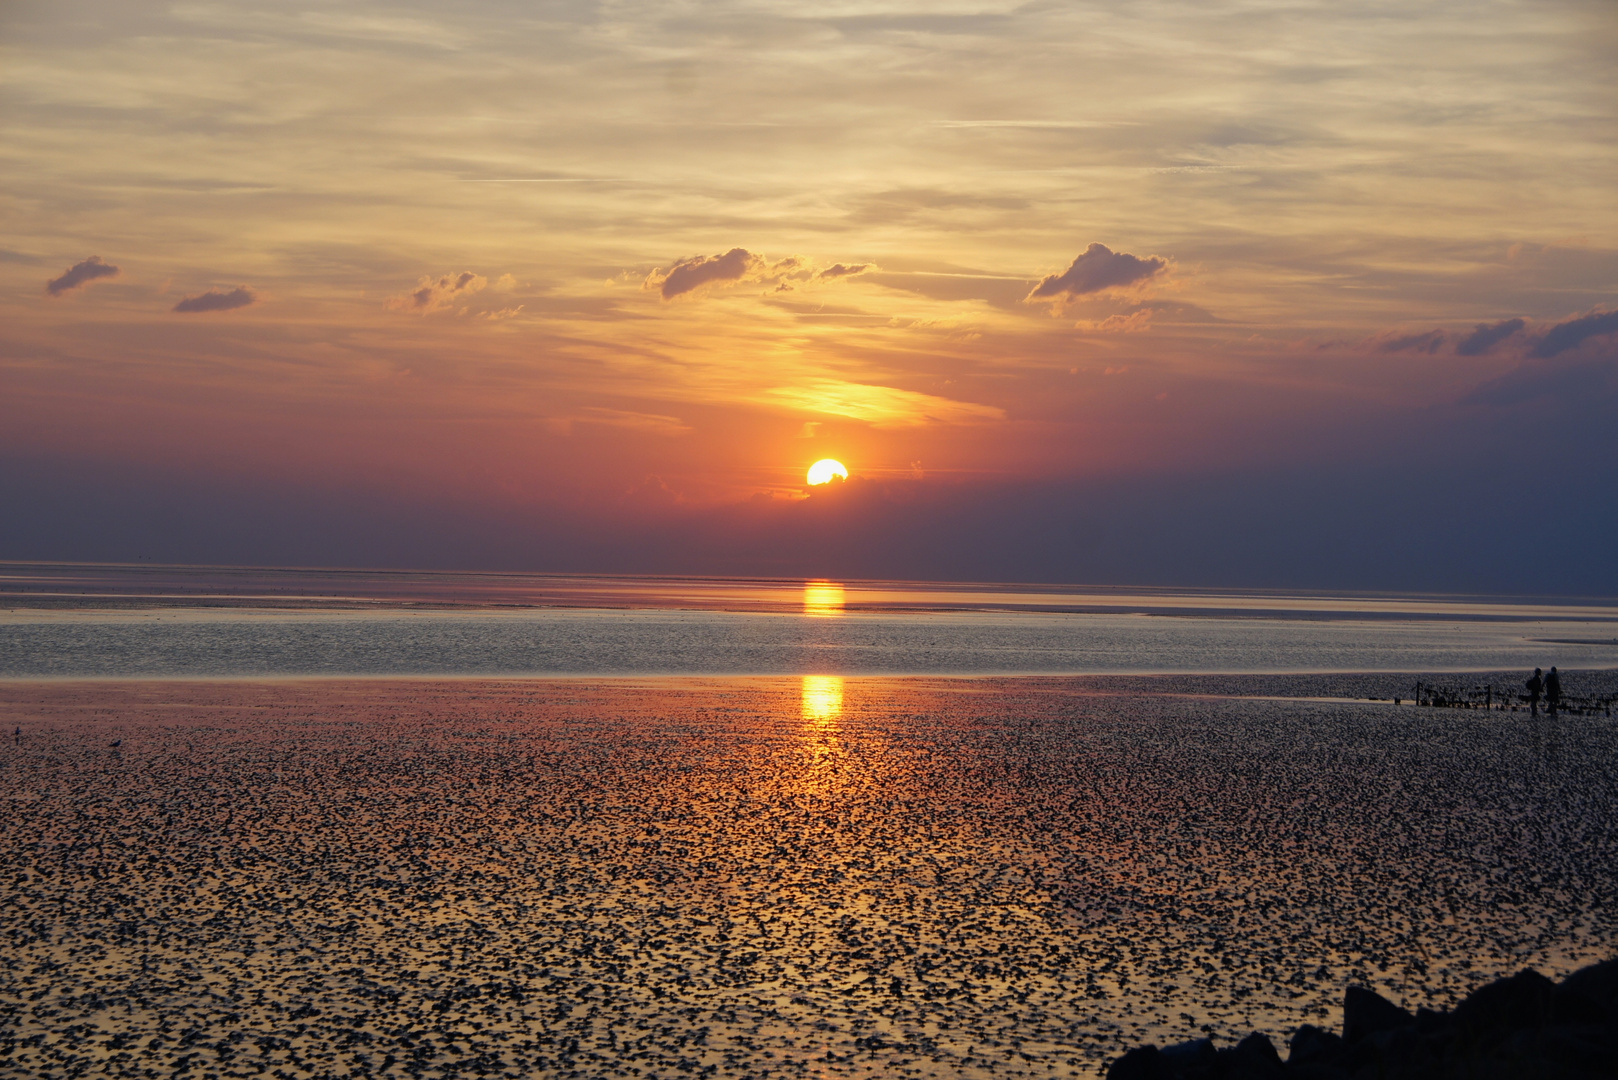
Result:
81,273
1097,270
1574,332
215,300
1486,336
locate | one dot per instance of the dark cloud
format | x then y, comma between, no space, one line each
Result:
699,270
214,300
1487,336
1574,332
9,256
1429,342
1098,269
831,273
1582,382
433,293
81,274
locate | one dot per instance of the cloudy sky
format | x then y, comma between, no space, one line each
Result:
1271,293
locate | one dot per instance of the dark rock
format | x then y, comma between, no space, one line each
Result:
1589,995
1254,1058
1520,1028
1141,1063
1491,1013
1184,1057
1366,1011
1392,1052
1580,1049
1429,1022
1312,1046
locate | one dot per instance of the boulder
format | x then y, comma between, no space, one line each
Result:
1366,1012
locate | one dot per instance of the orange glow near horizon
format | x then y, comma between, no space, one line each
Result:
975,291
823,599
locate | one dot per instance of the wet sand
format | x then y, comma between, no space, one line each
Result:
764,877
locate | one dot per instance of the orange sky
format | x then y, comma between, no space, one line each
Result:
598,257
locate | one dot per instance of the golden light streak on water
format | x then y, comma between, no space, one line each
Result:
823,599
822,698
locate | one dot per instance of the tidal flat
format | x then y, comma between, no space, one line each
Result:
767,877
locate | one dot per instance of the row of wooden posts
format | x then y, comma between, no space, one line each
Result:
1508,699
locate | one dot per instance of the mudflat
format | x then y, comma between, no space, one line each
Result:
764,877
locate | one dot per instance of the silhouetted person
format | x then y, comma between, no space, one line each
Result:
1553,690
1536,685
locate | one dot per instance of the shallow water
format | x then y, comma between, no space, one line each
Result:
238,642
135,622
766,877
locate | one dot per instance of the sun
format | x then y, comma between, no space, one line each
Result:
822,471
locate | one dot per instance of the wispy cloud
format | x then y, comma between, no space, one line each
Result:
652,423
838,270
79,274
1097,270
1033,123
1132,323
1428,341
216,300
881,406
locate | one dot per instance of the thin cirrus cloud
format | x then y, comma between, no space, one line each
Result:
1097,270
217,300
880,406
80,274
431,293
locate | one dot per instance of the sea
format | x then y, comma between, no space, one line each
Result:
86,621
337,823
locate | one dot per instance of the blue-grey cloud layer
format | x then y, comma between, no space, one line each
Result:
1487,336
1575,332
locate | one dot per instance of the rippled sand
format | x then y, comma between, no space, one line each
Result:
770,877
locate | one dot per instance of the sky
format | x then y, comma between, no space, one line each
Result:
1287,294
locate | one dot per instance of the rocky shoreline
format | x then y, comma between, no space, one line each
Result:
1525,1027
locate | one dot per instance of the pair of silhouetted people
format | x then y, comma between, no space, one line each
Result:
1548,686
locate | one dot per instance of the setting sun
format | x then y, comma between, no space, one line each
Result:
822,471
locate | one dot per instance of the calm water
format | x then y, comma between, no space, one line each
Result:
114,622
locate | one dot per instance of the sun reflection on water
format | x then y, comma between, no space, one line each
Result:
822,599
822,698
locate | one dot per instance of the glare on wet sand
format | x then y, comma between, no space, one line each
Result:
761,877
